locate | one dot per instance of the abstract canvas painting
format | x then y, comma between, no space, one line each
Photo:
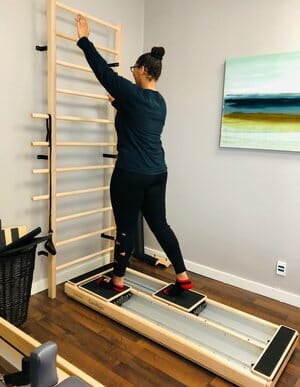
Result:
261,105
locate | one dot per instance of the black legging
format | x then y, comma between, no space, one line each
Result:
133,192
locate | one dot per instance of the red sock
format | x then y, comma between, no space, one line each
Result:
185,284
101,281
178,288
117,288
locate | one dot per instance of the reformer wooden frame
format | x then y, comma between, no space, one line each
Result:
157,331
53,62
15,344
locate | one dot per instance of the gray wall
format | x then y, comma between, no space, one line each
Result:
236,212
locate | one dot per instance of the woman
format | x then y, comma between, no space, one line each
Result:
139,179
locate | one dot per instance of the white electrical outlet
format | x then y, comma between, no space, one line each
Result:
281,268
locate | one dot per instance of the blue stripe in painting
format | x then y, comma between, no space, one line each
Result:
279,103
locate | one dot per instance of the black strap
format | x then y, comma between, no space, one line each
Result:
24,248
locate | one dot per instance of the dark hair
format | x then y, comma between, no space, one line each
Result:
152,61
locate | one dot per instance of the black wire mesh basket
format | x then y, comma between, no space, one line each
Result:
17,262
16,272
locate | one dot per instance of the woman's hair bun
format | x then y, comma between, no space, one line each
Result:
157,52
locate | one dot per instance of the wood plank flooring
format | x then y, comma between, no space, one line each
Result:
117,356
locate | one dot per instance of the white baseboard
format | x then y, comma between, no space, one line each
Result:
243,283
72,271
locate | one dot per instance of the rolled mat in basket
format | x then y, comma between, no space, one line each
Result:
11,234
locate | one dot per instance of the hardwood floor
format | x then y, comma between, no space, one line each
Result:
117,356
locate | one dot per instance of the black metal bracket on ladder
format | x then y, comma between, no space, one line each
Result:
108,155
105,236
115,64
41,48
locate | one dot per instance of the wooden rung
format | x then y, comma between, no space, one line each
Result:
73,169
39,115
39,143
73,66
84,119
81,94
75,39
74,118
86,15
81,214
85,168
44,143
82,259
84,236
72,193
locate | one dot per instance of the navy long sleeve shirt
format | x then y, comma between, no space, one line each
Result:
140,117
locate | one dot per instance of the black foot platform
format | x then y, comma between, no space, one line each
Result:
274,353
107,294
189,301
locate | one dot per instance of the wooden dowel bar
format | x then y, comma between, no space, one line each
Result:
84,119
72,193
82,259
39,143
85,168
81,214
40,171
86,15
81,94
74,169
39,115
74,118
84,236
44,143
73,66
75,39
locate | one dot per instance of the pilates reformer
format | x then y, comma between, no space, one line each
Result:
239,347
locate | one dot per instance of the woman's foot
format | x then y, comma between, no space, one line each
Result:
109,283
182,284
119,281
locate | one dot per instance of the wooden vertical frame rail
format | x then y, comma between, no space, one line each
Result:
52,144
51,39
118,59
